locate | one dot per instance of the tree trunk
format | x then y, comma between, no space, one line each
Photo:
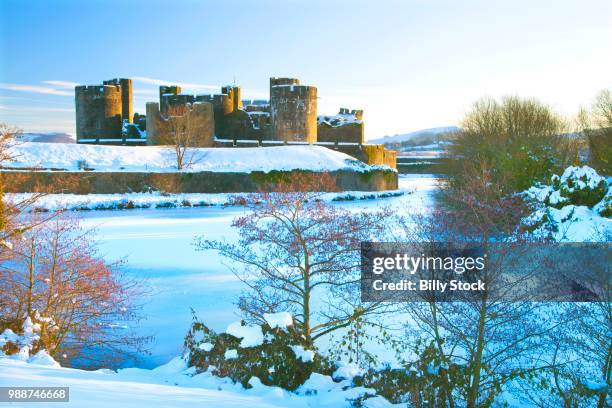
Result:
477,359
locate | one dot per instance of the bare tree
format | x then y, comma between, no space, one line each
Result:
596,124
183,128
294,247
11,224
54,276
519,139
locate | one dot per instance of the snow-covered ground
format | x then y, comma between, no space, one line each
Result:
156,199
172,385
161,159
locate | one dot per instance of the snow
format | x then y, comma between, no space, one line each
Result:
281,319
573,224
43,358
339,119
347,371
156,199
578,174
159,159
306,356
251,336
231,354
206,347
556,217
176,385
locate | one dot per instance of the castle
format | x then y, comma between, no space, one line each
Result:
104,115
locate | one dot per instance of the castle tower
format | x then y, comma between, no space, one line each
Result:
234,95
167,90
294,112
98,112
127,110
282,81
152,117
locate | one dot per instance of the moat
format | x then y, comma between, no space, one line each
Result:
191,279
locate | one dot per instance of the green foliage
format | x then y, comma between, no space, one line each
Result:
273,362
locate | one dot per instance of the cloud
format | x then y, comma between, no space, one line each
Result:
62,84
35,89
34,109
158,82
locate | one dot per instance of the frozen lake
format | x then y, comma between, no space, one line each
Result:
158,247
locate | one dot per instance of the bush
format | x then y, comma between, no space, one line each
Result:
277,356
576,186
425,382
520,139
581,186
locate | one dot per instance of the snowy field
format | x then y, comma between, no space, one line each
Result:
159,159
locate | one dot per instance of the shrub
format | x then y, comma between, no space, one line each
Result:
518,138
576,186
277,356
581,186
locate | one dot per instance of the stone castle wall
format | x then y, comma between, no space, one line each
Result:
348,133
203,123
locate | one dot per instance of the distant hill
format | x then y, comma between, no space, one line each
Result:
48,137
423,136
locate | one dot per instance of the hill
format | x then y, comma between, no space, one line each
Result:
423,136
48,138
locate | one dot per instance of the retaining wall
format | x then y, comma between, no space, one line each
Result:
84,182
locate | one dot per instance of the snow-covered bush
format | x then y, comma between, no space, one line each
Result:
26,346
273,352
576,186
576,206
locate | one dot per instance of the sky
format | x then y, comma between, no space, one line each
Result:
410,64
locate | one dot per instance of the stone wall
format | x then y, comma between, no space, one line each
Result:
202,182
157,130
348,133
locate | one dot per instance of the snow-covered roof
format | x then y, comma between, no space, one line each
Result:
340,119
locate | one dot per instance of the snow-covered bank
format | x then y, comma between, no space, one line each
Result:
174,384
160,159
171,385
81,202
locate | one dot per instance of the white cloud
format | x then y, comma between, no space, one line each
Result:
62,84
35,89
158,82
34,109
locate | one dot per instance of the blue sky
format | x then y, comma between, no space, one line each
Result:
408,64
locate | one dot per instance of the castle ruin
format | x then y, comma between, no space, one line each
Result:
104,114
